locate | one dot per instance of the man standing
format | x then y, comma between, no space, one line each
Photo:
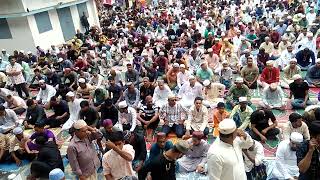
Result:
84,22
197,118
285,165
117,161
14,71
81,152
225,159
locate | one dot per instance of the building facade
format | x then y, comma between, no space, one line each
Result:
25,24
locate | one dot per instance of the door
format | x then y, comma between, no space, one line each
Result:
66,23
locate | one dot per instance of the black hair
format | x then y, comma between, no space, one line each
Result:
11,57
317,114
53,98
30,102
117,136
2,108
198,98
40,124
41,140
84,104
293,117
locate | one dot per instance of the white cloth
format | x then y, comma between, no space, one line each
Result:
258,153
188,93
288,129
285,166
45,95
15,79
225,161
197,120
182,78
128,118
160,97
74,110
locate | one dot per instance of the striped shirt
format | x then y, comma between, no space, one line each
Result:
149,112
173,114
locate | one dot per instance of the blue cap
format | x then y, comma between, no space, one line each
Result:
56,174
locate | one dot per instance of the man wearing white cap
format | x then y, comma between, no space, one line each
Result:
267,45
212,93
289,71
162,62
127,117
4,55
273,98
189,91
286,56
74,110
237,90
313,74
299,90
45,93
182,76
19,140
269,74
83,157
85,89
161,93
212,59
225,159
173,114
241,114
285,166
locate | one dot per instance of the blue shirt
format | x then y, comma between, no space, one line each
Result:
156,150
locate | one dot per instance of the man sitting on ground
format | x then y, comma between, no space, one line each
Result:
197,118
159,147
16,103
8,119
295,124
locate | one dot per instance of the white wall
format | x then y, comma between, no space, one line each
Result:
21,36
93,13
11,6
46,39
38,4
75,18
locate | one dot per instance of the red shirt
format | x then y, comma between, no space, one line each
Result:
216,48
270,76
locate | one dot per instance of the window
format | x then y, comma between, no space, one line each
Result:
82,8
4,29
43,22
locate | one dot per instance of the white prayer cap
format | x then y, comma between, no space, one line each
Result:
246,51
243,99
296,137
227,126
103,55
296,77
273,86
60,60
122,104
223,34
224,62
147,45
174,53
309,34
182,66
79,124
206,82
289,17
80,57
41,81
82,80
70,94
191,77
104,48
144,53
171,96
270,62
3,49
193,19
239,80
29,52
293,60
17,130
242,38
203,62
56,174
210,50
317,60
175,65
22,51
161,53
